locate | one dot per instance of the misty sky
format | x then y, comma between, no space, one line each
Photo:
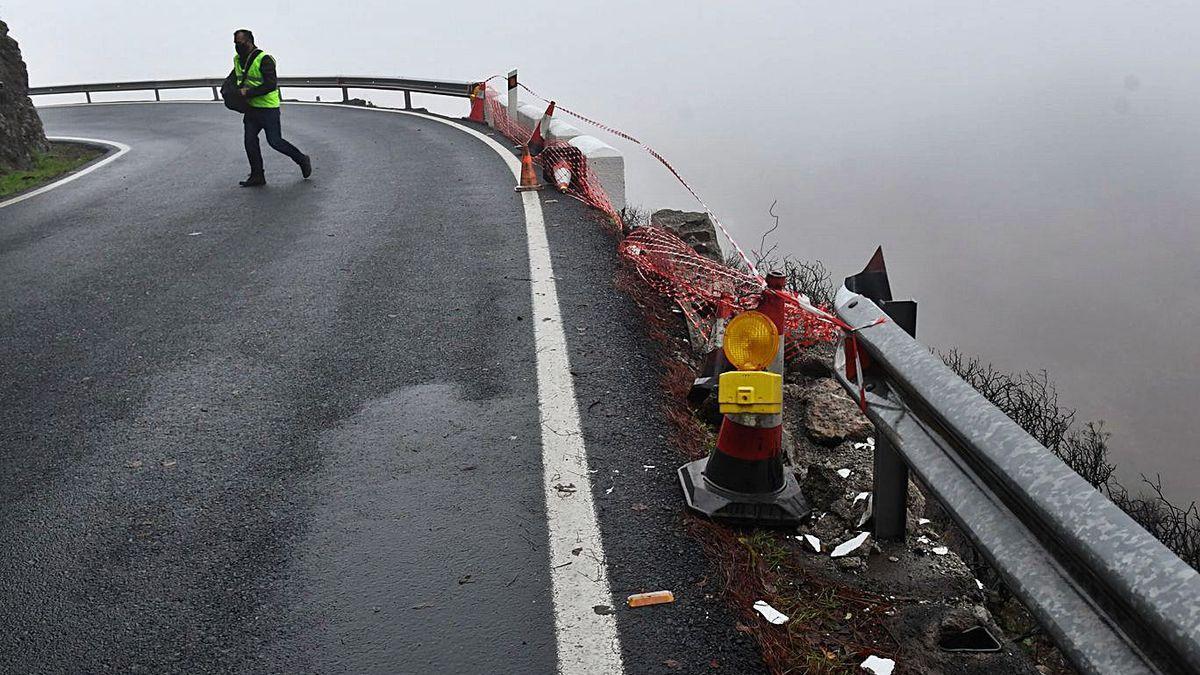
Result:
1029,169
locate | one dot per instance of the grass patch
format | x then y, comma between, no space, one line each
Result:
62,159
832,626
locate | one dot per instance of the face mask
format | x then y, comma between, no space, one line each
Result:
242,48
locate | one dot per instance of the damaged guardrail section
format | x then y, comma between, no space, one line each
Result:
1113,597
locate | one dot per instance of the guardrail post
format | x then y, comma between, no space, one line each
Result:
345,95
157,97
407,100
889,501
88,94
215,94
512,94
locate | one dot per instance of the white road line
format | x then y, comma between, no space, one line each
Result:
121,150
587,641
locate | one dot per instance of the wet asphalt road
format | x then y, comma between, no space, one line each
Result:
295,429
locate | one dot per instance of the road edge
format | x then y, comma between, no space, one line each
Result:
111,156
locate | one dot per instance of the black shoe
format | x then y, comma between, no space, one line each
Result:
306,166
255,180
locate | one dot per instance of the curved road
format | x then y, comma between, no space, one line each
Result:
296,429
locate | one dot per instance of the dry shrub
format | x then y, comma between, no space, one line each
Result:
1031,401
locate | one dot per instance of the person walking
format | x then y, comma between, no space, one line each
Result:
257,80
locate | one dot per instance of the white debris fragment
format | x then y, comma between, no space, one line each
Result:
868,445
847,547
194,234
814,542
923,540
867,512
648,467
844,473
512,438
940,550
979,584
770,613
861,496
878,666
922,521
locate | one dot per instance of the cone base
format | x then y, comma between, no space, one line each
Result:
783,508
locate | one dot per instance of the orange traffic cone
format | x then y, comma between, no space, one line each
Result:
529,179
477,98
537,141
562,176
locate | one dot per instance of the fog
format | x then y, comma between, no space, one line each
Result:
1029,170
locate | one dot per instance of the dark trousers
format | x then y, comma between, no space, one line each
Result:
266,119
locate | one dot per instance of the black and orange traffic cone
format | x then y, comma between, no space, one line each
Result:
529,179
743,479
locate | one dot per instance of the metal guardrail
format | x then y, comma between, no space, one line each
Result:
343,82
1113,597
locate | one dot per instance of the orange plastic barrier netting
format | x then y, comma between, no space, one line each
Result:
581,181
674,269
498,116
564,161
704,288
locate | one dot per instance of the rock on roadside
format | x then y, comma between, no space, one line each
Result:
830,416
695,229
22,137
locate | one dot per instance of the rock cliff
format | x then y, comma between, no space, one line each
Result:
21,135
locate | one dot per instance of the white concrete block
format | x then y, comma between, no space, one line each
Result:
529,115
608,165
561,131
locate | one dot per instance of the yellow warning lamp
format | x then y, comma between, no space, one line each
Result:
751,344
751,341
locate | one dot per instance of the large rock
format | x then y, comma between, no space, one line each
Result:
823,486
812,361
831,417
21,135
695,229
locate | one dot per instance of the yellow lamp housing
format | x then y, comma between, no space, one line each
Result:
750,391
751,341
